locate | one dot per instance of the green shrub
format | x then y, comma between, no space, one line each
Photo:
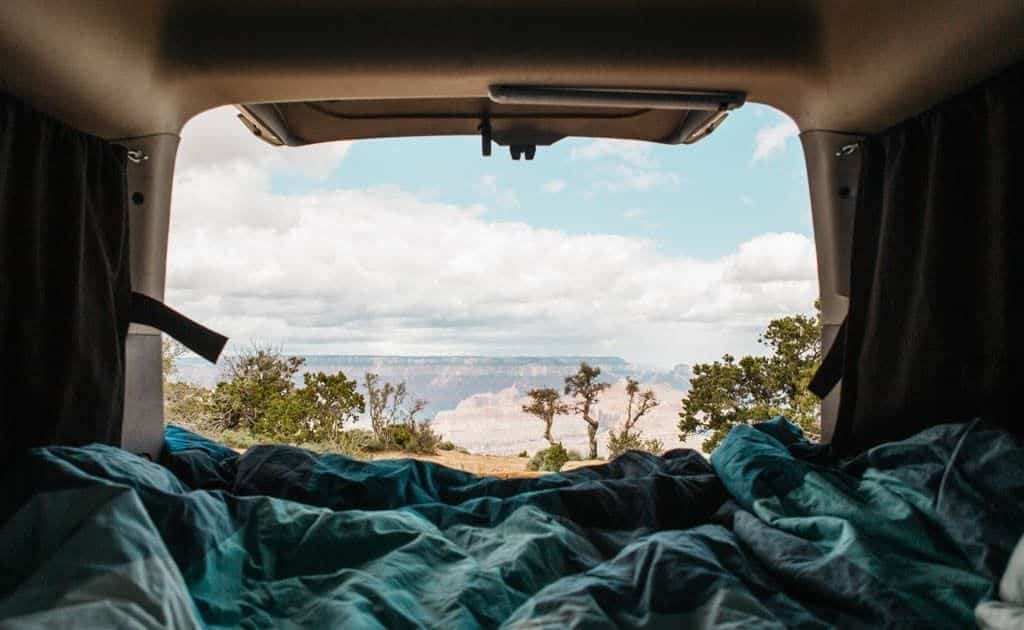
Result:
412,437
262,398
253,381
353,442
425,439
622,442
331,402
285,419
575,456
374,445
237,439
523,454
188,405
550,459
399,436
259,403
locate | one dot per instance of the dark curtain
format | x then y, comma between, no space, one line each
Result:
935,324
64,282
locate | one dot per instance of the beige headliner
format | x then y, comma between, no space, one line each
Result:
130,68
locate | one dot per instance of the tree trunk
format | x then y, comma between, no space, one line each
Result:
592,435
547,434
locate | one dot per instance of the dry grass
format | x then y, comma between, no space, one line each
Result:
501,466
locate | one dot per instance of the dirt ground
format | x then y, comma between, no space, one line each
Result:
502,466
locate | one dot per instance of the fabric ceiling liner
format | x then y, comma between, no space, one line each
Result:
933,331
64,282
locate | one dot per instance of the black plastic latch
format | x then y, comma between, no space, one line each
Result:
485,137
523,150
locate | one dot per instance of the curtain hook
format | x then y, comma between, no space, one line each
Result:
137,156
848,149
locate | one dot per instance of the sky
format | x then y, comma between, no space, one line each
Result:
657,254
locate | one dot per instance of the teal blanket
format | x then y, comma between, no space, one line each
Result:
768,534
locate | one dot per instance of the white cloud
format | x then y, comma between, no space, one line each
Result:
218,140
626,177
633,152
384,270
771,140
554,186
623,165
503,196
633,213
772,257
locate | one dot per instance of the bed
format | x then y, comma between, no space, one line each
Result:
768,533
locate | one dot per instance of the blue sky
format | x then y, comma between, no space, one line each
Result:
712,196
659,254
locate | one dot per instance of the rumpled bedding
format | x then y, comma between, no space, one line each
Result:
769,534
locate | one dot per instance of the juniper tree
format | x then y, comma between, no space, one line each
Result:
584,387
545,403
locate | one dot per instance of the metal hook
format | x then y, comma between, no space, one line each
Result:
137,156
848,149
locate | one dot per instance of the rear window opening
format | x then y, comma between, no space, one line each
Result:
470,281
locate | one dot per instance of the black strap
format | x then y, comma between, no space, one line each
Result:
194,336
831,369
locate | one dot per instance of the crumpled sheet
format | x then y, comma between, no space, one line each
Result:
1006,613
768,534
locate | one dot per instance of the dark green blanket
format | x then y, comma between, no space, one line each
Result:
763,536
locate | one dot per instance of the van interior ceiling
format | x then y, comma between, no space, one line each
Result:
909,122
